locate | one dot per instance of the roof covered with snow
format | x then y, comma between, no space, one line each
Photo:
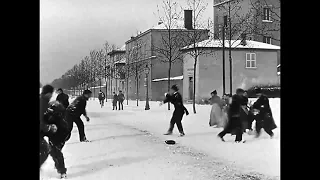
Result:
123,60
123,48
166,79
179,24
234,44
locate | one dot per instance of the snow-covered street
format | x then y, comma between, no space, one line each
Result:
129,145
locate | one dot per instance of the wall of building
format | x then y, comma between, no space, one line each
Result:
210,72
188,67
162,87
245,8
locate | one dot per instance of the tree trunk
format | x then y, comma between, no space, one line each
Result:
137,81
194,85
105,79
169,74
127,91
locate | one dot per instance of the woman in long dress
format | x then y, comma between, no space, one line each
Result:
216,112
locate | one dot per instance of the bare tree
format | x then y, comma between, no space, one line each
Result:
107,48
136,62
168,49
197,35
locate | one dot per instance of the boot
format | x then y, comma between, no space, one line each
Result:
168,133
181,134
63,176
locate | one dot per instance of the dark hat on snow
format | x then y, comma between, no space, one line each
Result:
239,90
214,92
87,91
174,87
171,142
47,89
258,90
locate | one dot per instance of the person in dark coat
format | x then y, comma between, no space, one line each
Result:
234,123
101,98
45,128
75,110
264,118
114,101
56,116
120,100
62,98
175,98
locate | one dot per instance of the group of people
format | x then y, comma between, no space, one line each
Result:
118,99
56,123
236,114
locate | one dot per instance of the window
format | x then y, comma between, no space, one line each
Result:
251,60
267,39
266,14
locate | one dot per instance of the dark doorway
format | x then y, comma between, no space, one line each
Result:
190,88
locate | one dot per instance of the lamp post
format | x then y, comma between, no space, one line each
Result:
228,18
146,71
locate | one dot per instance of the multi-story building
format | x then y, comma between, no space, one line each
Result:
116,75
262,23
142,52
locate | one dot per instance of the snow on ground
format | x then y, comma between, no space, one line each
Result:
261,155
121,143
122,149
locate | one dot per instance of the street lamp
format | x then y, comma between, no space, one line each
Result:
146,71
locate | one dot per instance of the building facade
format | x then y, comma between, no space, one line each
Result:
252,64
263,16
141,53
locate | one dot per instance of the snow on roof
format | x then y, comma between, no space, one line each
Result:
123,48
234,44
123,60
179,24
166,79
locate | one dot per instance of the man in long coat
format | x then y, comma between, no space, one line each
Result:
234,123
264,117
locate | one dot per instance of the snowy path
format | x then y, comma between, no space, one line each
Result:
128,145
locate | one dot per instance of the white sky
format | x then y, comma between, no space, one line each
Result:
69,29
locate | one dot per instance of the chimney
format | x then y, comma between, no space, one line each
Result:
243,39
188,19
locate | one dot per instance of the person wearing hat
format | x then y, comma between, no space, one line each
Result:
114,101
120,100
234,124
101,98
216,112
264,118
75,110
62,98
175,98
45,128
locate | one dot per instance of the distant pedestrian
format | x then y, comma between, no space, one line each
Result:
75,110
62,98
101,98
264,118
175,98
120,100
114,101
216,112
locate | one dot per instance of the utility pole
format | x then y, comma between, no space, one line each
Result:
223,56
230,58
105,76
